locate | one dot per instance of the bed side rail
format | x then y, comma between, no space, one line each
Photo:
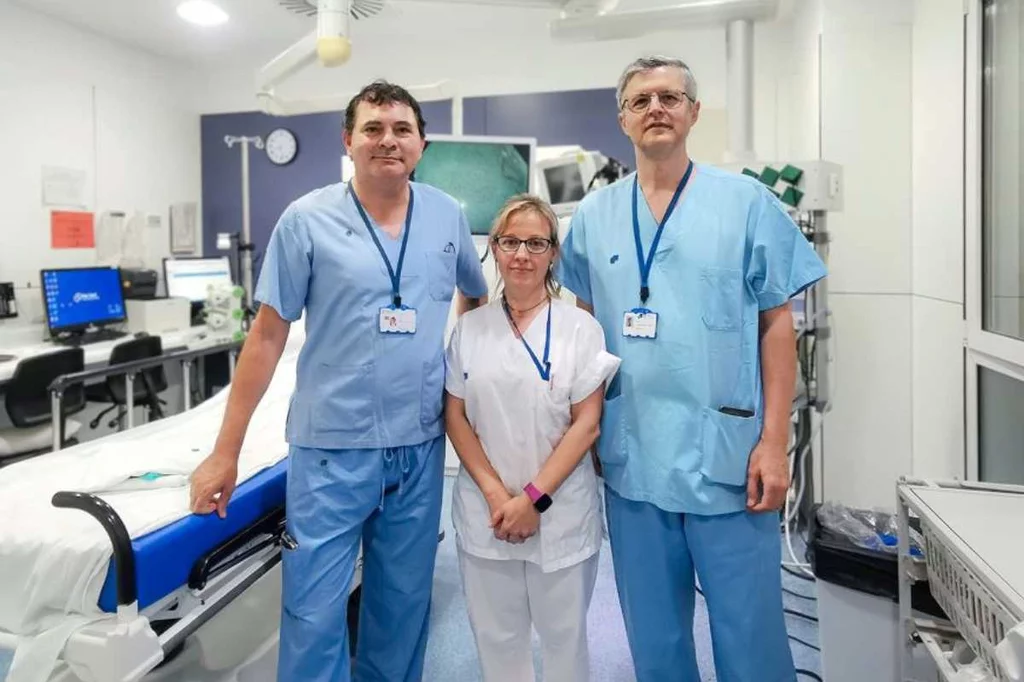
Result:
264,533
120,540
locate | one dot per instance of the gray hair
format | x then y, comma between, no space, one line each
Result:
644,64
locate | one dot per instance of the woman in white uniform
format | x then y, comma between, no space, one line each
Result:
525,384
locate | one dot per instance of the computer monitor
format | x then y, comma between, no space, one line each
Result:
191,277
563,181
480,172
78,298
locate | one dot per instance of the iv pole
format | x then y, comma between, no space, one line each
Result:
244,242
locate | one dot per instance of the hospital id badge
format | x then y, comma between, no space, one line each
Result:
397,320
640,323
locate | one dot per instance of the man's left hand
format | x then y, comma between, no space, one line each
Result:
767,477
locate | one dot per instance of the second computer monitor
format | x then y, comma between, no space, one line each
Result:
191,278
79,298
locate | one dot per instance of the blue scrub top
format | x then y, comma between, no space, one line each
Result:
355,386
728,251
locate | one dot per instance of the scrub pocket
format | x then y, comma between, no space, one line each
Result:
721,291
612,442
441,275
726,446
344,399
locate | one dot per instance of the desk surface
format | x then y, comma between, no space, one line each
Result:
97,354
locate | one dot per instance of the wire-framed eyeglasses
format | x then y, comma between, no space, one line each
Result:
670,99
534,245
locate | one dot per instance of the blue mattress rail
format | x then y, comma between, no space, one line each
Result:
191,550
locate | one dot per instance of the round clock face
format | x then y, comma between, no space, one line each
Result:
282,147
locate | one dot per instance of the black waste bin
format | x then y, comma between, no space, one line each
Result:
858,612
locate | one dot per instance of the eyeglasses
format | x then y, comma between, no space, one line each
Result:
535,245
670,99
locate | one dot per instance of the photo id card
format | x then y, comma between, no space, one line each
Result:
397,320
640,323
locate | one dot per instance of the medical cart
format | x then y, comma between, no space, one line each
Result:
973,536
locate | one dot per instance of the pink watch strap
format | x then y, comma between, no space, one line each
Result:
532,492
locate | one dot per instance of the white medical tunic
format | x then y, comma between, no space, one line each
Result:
520,419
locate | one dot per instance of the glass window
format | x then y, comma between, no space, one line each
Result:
1003,179
1000,427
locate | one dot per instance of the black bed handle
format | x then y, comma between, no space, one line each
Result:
124,555
220,558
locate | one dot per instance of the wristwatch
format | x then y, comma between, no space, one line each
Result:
541,501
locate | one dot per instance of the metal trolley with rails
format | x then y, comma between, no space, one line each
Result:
973,536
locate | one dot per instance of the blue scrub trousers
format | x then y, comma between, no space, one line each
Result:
390,501
737,559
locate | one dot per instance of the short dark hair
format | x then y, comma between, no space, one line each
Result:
381,92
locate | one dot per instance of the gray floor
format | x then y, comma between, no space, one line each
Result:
451,655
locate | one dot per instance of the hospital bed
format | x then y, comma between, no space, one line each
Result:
104,573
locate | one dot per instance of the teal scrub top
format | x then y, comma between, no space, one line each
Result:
728,251
355,386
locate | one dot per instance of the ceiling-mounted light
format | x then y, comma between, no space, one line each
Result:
202,13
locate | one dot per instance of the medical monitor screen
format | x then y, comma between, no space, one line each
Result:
564,183
80,297
191,277
480,175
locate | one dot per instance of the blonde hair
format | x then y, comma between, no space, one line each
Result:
518,205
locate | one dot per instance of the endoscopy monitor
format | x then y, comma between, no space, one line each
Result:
79,298
191,278
563,181
481,173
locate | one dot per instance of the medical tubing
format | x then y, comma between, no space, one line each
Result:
124,555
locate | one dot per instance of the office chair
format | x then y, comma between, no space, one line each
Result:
147,384
27,400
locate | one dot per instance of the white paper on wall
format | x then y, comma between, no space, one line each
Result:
63,187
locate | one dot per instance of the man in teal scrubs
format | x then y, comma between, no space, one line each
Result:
373,265
690,270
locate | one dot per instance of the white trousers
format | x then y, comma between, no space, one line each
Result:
504,597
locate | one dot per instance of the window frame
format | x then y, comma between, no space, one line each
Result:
995,352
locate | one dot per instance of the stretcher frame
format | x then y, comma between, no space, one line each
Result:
982,603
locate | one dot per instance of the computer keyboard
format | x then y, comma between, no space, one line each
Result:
87,338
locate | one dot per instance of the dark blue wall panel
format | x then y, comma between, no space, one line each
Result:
584,117
271,188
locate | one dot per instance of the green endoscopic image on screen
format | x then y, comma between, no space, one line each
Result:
480,173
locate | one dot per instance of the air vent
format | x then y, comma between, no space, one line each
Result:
359,9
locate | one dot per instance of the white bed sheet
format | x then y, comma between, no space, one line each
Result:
53,562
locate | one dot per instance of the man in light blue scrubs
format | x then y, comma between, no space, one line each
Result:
373,265
690,271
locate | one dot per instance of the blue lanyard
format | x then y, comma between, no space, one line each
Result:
395,274
545,368
646,263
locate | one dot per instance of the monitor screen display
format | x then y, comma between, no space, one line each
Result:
564,183
79,297
480,173
191,277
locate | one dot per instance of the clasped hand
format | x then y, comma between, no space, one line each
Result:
513,519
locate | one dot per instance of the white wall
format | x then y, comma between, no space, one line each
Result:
887,90
866,126
937,239
71,99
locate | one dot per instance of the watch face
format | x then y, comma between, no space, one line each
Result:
282,147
